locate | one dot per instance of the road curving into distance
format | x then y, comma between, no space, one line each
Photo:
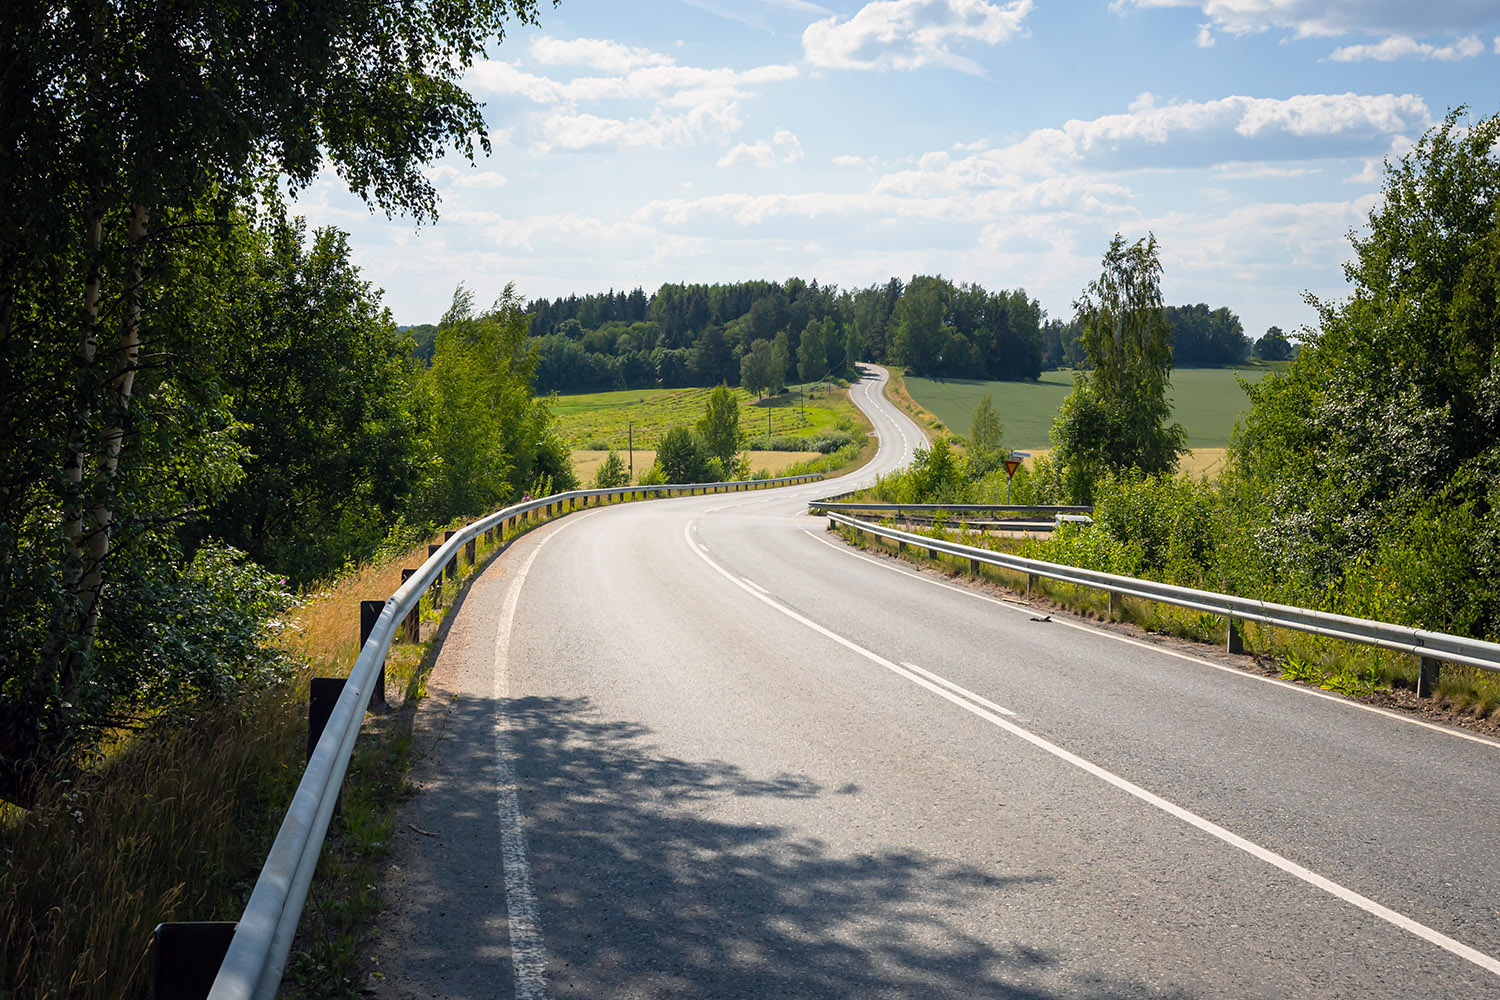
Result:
701,748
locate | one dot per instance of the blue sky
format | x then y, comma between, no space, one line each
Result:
999,143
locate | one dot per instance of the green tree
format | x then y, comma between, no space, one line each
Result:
985,433
1115,419
719,429
1379,448
812,353
324,394
682,458
761,372
1273,346
612,473
131,133
491,439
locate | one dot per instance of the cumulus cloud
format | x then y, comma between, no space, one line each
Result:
908,34
1403,46
1205,39
782,147
710,122
601,54
1327,18
1187,135
676,104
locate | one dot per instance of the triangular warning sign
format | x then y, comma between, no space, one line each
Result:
1011,465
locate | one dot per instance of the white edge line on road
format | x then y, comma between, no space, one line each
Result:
1081,627
958,689
528,952
757,586
1209,827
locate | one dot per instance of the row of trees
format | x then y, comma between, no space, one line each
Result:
703,334
179,372
1201,337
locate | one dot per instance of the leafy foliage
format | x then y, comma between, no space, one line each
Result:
1115,418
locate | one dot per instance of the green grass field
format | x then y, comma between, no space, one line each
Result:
1206,401
605,416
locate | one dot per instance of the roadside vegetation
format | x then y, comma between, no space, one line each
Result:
1362,480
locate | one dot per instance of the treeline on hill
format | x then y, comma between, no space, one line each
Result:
701,335
1363,480
1201,338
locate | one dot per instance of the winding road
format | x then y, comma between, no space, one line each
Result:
701,748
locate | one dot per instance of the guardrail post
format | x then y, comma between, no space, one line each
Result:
437,582
322,694
185,957
973,566
1114,605
411,626
451,570
1428,670
1234,642
1031,582
469,552
369,614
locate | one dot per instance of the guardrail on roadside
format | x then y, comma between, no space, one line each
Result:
1021,517
1430,648
256,956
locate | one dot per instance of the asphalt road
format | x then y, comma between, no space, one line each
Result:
699,747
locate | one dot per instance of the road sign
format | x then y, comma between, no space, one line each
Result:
1011,465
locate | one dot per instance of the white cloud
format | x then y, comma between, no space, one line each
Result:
783,146
1326,18
1262,172
680,104
1403,46
596,53
1205,39
1189,135
710,122
853,161
907,34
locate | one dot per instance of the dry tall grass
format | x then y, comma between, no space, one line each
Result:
173,822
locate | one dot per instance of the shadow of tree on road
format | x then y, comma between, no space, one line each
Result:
655,881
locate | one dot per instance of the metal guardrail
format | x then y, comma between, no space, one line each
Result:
1432,648
849,506
257,954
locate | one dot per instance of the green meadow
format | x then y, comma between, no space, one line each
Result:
1206,401
591,419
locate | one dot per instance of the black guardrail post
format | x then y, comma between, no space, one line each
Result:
1427,676
411,626
469,550
1233,641
437,581
451,570
369,614
322,694
185,958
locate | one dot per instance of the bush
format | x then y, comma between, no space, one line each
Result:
612,473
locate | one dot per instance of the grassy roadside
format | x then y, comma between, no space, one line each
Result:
895,391
174,820
1466,696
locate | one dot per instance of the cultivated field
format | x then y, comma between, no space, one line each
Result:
588,420
1206,401
586,463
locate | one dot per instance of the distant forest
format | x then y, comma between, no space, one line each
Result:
701,335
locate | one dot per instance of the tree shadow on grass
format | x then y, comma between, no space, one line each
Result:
655,880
